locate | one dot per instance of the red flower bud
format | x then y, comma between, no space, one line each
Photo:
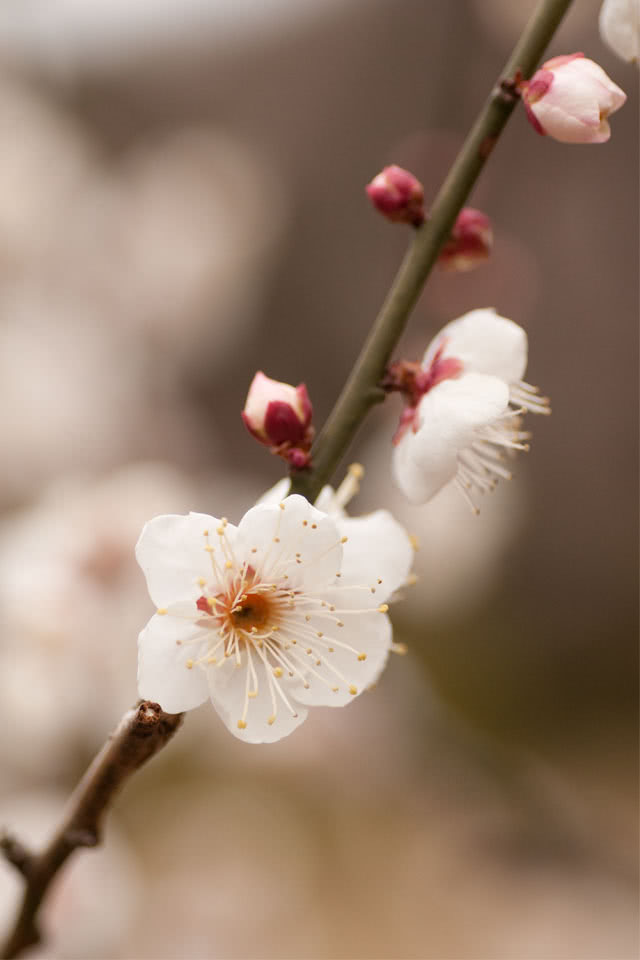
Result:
470,242
397,195
279,415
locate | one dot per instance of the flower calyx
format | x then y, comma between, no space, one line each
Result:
279,415
413,381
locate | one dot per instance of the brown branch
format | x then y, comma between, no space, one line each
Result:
142,732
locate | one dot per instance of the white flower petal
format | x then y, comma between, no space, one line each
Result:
228,692
485,342
172,555
449,415
620,27
163,675
377,548
285,534
275,494
367,633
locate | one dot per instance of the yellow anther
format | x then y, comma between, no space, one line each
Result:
277,672
413,540
353,690
309,650
211,601
379,581
319,633
305,523
276,539
252,694
356,470
373,589
281,505
162,611
362,656
314,526
209,548
339,623
228,565
254,549
344,539
383,608
242,725
411,580
212,660
201,581
335,689
331,649
189,664
220,531
399,648
271,720
205,533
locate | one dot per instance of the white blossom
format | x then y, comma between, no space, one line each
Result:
282,612
469,413
620,27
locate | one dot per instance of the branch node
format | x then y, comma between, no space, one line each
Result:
508,88
16,853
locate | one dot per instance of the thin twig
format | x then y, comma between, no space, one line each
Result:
142,732
362,389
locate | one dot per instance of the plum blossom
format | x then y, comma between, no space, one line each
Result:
464,408
570,98
282,612
619,24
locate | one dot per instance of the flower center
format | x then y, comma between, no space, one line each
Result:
253,610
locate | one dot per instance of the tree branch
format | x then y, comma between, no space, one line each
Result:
362,389
142,732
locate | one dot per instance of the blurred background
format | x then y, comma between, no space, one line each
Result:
181,203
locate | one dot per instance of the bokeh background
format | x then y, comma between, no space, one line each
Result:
181,203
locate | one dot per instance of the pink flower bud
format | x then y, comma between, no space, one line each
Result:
397,195
279,416
570,98
470,242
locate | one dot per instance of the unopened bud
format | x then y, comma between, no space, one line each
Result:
570,99
470,242
279,415
397,195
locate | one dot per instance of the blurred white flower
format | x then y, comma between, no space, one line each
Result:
620,27
267,618
69,393
70,609
465,411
